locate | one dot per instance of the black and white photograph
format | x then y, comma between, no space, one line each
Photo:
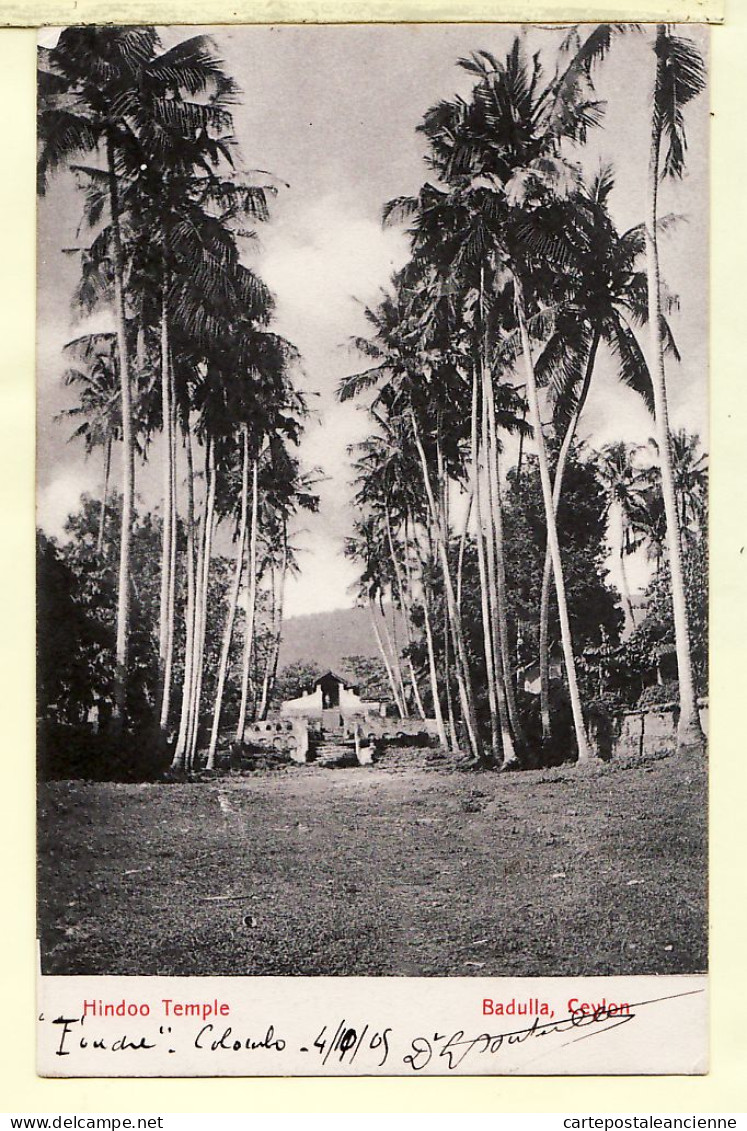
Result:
372,502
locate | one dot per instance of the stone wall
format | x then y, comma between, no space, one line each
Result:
646,731
383,729
288,737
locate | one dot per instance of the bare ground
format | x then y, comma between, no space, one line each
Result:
404,868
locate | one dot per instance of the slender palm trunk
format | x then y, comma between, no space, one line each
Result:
260,709
280,615
462,668
450,712
557,488
508,713
171,603
197,618
385,656
251,603
429,556
520,457
128,452
168,510
394,651
105,498
496,577
180,750
405,606
202,595
433,672
233,603
624,585
487,625
392,645
270,690
271,671
544,647
584,752
503,648
689,732
462,548
407,597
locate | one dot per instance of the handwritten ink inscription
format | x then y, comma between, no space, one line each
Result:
334,1047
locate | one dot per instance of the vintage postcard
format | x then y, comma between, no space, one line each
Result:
372,549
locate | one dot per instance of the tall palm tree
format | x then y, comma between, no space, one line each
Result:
625,499
679,78
420,379
452,233
93,371
84,78
607,300
287,492
385,480
502,150
191,201
111,92
367,546
690,470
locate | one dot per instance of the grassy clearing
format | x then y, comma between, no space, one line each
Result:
398,869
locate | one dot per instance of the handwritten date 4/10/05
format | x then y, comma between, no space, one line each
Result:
340,1046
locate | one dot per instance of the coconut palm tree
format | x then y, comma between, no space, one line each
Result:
606,304
93,371
625,489
452,232
690,471
679,77
84,77
690,467
420,378
502,151
368,546
288,491
112,93
194,203
384,478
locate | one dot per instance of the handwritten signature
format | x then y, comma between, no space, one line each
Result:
455,1049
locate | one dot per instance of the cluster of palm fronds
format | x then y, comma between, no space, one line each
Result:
517,276
193,363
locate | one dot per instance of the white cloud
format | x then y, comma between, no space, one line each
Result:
325,259
61,496
323,585
322,259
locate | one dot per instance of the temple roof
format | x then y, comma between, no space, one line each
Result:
339,678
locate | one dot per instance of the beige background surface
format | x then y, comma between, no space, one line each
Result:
723,1089
22,12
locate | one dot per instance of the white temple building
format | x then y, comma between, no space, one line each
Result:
331,693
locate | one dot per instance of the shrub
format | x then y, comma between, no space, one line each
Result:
660,694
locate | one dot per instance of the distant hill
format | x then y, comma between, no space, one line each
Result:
326,638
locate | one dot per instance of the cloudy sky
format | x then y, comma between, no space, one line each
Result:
332,111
